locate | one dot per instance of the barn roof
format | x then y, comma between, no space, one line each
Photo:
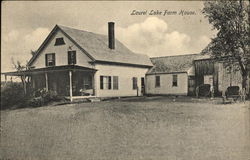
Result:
173,64
96,47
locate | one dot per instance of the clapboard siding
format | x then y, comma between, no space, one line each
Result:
61,53
166,87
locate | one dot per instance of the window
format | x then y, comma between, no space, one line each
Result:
87,82
115,83
157,81
105,82
175,80
142,82
71,57
50,59
208,79
59,41
134,79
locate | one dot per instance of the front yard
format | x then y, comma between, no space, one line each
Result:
150,128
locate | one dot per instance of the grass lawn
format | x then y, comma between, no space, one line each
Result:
130,129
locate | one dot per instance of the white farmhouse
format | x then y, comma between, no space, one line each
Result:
77,63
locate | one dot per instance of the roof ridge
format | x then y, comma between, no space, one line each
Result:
80,30
175,55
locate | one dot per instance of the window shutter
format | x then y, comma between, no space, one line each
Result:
69,57
101,82
46,59
54,59
109,82
74,57
134,80
115,82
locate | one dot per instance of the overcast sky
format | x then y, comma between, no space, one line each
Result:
25,25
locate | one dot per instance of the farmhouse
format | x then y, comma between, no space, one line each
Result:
77,63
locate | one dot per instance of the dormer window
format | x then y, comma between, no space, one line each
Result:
59,41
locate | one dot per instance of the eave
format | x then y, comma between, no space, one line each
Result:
50,69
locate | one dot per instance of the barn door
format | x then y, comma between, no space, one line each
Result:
191,85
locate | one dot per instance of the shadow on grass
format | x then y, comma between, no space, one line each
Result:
143,99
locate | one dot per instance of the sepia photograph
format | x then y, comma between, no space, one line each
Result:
125,80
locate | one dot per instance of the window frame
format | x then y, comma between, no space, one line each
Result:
72,59
59,42
88,82
157,81
174,80
134,83
107,82
53,61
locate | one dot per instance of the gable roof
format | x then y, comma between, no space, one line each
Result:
96,47
173,64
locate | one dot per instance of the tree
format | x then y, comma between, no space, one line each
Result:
231,20
20,68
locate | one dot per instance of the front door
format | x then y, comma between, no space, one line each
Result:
142,86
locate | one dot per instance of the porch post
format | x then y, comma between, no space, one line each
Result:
70,85
5,76
93,84
33,82
46,81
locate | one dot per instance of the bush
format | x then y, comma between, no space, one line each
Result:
12,94
36,102
43,97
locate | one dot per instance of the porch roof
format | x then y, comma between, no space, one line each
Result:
50,69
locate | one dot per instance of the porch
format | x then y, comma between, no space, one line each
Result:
71,81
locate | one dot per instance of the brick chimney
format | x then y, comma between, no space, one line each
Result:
111,32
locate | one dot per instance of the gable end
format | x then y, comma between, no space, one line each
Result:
54,30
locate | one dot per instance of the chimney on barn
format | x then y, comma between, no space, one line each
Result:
111,32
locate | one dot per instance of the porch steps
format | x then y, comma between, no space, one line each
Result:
84,99
94,99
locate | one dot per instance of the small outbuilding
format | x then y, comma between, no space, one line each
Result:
172,75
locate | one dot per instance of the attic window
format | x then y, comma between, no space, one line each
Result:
59,41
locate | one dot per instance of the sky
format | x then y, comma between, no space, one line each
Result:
25,25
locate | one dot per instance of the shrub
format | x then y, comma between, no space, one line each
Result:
36,102
42,97
12,94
